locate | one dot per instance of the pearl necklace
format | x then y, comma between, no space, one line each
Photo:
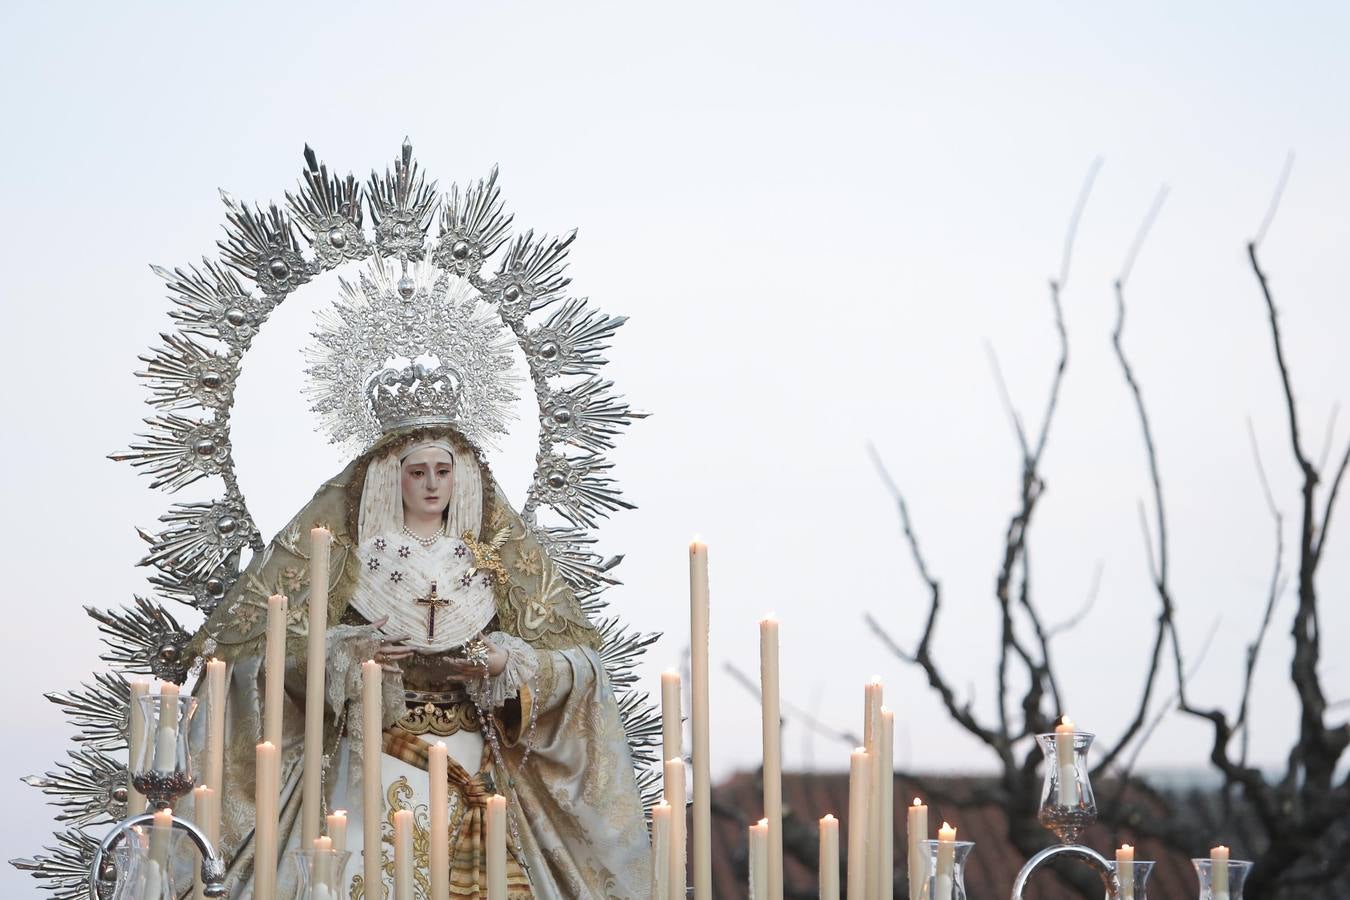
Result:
424,541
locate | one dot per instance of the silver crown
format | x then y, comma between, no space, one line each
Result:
414,395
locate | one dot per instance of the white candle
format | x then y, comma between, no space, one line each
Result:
1068,786
337,829
215,725
439,853
661,851
759,860
859,769
267,790
672,728
320,544
676,879
496,848
135,742
1125,871
698,661
403,856
323,874
166,728
275,659
372,800
1218,872
771,724
918,851
946,862
160,831
872,743
886,801
204,814
829,858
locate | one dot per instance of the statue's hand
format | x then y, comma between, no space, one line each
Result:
391,648
496,662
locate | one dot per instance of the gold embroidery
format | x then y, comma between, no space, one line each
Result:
441,721
485,558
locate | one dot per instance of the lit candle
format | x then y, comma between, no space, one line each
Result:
672,728
698,662
918,850
759,860
886,799
946,862
160,831
337,829
275,658
439,854
324,875
403,856
166,728
135,742
372,745
829,858
267,791
676,879
320,545
1125,871
661,851
496,848
859,769
1218,872
1068,786
771,723
872,743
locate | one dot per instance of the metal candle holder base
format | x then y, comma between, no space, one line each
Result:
102,877
1087,854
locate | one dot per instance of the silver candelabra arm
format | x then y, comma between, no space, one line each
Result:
1087,854
213,862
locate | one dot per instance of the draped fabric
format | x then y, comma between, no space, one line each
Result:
565,764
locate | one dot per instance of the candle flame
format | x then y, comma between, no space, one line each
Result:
918,802
1126,847
340,812
764,822
827,817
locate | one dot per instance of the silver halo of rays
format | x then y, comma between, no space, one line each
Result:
218,306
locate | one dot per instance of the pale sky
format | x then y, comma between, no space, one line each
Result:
815,216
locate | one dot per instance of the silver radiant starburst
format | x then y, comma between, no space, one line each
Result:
394,319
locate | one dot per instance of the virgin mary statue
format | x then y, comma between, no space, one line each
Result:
483,646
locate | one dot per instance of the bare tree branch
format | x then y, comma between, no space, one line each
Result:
1275,198
1089,602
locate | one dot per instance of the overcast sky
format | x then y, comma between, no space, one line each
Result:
816,217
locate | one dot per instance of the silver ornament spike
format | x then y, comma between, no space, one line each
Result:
91,788
98,710
473,227
328,211
571,340
144,638
262,247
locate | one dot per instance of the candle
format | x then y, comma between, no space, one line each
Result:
204,814
676,879
320,543
1125,871
918,850
166,728
275,658
267,790
886,800
135,742
215,725
496,848
946,862
337,829
160,832
759,860
829,858
661,851
1218,872
858,770
372,801
403,856
438,773
323,874
771,724
1068,787
672,728
698,661
872,743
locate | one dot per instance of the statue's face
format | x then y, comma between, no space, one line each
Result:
428,478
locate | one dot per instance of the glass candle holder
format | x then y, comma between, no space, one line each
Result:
1133,879
1228,883
946,868
161,767
1067,804
149,876
123,873
320,873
